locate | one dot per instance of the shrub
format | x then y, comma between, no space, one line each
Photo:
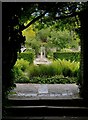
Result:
25,73
69,68
53,80
20,70
73,56
22,64
22,79
28,56
42,70
58,67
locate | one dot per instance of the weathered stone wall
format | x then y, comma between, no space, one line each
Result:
84,53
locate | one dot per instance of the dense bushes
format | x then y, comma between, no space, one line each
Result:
58,67
20,70
59,71
29,56
73,56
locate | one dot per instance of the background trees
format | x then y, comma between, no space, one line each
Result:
59,35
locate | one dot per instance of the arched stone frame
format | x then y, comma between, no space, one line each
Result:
83,16
84,37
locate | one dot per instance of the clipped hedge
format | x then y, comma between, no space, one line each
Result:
73,56
49,80
54,80
29,56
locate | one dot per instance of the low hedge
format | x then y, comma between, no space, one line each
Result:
49,80
73,56
29,56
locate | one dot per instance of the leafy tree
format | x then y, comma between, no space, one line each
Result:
43,34
31,42
58,38
59,35
29,33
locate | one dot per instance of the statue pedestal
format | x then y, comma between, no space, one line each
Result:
42,59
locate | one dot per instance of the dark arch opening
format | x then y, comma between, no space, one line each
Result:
10,47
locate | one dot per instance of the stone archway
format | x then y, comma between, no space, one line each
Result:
83,16
11,54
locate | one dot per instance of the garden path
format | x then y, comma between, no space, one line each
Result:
44,91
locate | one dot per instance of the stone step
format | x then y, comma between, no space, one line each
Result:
47,107
46,118
49,102
46,111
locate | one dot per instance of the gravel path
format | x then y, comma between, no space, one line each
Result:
39,91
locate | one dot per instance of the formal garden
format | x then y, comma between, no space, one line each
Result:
59,71
58,44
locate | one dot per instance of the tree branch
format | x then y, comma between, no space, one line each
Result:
55,18
34,20
71,15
